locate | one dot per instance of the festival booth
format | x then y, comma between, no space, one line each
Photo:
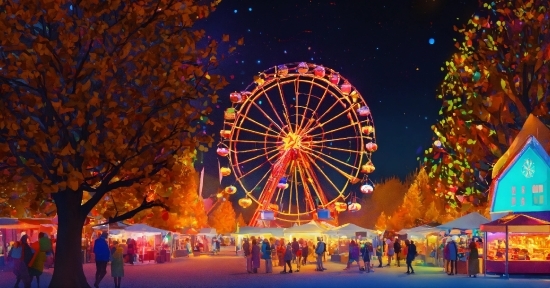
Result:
341,236
180,240
258,232
204,240
521,186
518,243
308,232
426,239
150,246
465,227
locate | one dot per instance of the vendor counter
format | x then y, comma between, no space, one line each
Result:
518,267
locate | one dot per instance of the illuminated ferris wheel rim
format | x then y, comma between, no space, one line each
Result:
315,75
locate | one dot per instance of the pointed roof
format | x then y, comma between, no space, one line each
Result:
517,223
466,222
532,127
311,227
349,230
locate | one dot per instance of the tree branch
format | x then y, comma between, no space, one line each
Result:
144,205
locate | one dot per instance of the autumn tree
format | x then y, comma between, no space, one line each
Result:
410,213
240,220
432,214
498,76
381,222
223,218
99,96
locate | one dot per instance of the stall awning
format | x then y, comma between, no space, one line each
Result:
24,223
311,227
349,230
517,223
467,222
420,231
145,229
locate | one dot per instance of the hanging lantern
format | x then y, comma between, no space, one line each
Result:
367,189
364,111
335,78
273,207
367,129
340,206
222,151
225,171
346,88
437,143
245,202
225,133
230,189
219,195
323,214
319,71
354,96
302,68
282,183
236,97
367,168
354,207
354,180
371,147
229,114
282,70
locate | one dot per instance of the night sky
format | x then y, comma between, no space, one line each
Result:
391,51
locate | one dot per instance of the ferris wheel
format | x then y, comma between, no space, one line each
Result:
296,138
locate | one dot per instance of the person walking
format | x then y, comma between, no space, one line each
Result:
40,247
273,251
319,250
22,269
288,258
295,248
298,258
117,263
390,251
131,250
353,254
446,255
453,255
411,254
255,254
266,255
305,253
365,254
281,253
378,248
473,260
247,255
397,250
16,256
102,255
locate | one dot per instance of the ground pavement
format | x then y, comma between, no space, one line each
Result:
230,271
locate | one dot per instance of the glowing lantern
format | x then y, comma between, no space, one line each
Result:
230,189
273,207
282,70
229,114
346,88
367,129
364,111
225,171
319,71
371,147
222,151
267,215
225,133
437,143
354,96
335,78
340,206
367,168
302,68
367,189
245,202
323,214
219,195
236,97
354,180
282,183
259,80
354,207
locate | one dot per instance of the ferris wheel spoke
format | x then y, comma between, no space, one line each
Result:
256,132
338,149
285,111
259,124
290,191
257,142
319,154
268,117
307,193
256,157
311,160
310,155
304,116
272,106
259,182
295,168
321,124
308,125
335,130
332,140
252,150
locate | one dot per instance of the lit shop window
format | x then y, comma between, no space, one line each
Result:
538,195
513,195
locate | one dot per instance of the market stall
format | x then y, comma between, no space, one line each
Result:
149,242
180,240
309,232
339,238
517,244
426,239
465,228
204,240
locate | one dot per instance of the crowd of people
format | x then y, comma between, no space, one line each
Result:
29,259
283,254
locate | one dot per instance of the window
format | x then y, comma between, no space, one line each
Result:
538,194
513,195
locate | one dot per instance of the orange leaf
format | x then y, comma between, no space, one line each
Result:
225,38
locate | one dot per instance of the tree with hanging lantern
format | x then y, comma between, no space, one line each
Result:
95,97
497,78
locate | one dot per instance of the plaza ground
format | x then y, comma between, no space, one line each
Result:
230,271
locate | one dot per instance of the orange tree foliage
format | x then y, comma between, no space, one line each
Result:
497,78
223,218
98,96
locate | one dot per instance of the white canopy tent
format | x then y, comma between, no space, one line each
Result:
467,222
349,230
308,228
420,231
145,229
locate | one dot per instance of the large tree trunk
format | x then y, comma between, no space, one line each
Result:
68,270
